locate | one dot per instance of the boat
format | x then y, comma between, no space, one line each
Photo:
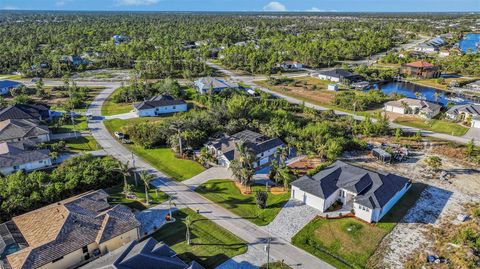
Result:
362,85
455,99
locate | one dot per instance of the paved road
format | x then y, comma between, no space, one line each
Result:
250,81
184,196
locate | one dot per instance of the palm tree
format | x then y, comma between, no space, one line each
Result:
242,166
125,171
177,126
146,178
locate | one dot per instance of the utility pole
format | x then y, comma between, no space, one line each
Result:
267,249
134,172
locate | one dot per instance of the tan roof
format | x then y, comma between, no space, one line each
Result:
420,64
59,229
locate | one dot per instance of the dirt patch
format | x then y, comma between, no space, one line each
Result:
300,168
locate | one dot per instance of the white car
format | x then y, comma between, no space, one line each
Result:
119,135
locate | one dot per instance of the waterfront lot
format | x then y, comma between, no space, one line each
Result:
211,244
164,158
349,242
225,193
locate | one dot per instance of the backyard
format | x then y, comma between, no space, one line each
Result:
439,126
163,159
349,242
225,193
211,245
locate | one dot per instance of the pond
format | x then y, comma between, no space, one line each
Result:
470,41
426,93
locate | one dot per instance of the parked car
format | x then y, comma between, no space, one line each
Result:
126,141
119,135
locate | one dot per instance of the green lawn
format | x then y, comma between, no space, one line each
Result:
80,125
82,143
211,244
438,126
116,196
161,158
225,193
349,239
111,108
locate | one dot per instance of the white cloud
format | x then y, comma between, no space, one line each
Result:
136,2
61,3
315,9
275,6
9,7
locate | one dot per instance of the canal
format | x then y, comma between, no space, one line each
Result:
470,42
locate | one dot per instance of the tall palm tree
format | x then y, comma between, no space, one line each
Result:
146,178
242,166
125,171
177,126
188,223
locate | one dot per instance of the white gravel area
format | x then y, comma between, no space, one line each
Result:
433,206
291,219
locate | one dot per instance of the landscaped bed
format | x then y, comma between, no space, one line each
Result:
211,244
116,196
349,242
226,194
438,126
163,159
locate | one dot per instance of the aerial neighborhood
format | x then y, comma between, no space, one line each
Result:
275,139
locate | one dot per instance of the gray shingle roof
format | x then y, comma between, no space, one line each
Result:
148,254
373,189
337,73
159,101
23,128
17,153
61,228
215,83
23,111
470,109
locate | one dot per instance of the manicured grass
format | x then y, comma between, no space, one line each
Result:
211,245
82,143
163,159
116,196
111,108
348,242
438,126
80,125
225,193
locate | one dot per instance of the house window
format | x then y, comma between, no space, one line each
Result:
57,259
85,249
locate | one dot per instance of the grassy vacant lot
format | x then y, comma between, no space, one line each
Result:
349,239
116,196
80,125
305,92
82,143
211,244
161,158
439,126
111,108
225,193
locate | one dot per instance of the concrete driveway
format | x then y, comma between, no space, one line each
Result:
124,116
473,133
216,172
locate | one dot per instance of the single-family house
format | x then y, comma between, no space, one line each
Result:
23,129
69,233
74,60
213,84
264,148
368,194
474,85
148,254
288,65
339,75
25,111
467,113
158,105
7,85
413,106
118,39
426,48
420,69
22,155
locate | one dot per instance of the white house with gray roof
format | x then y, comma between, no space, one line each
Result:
15,156
216,85
467,113
370,194
158,105
12,130
264,148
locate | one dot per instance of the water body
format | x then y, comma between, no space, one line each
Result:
426,93
470,41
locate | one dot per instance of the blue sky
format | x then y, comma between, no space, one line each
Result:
246,5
